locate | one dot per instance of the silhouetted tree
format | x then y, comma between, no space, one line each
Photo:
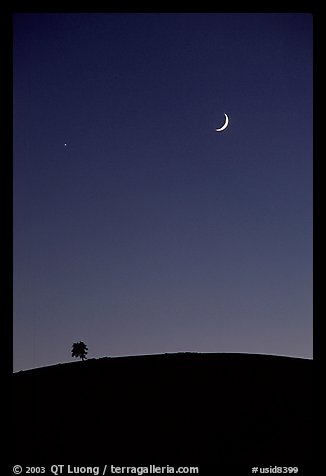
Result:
79,349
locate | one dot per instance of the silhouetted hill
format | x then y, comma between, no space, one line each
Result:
183,408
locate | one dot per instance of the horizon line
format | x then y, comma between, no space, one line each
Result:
163,353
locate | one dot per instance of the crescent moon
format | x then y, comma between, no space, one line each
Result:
226,123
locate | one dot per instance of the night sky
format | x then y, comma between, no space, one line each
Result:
138,228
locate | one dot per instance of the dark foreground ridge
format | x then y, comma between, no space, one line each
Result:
184,408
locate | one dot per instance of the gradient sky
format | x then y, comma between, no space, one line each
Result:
150,232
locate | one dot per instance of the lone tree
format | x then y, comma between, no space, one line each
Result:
79,349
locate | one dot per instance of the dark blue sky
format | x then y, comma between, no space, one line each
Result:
150,232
